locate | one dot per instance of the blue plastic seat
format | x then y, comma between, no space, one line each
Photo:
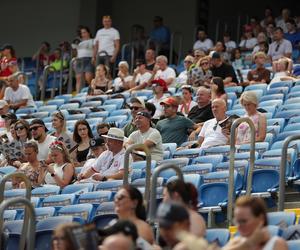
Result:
276,122
265,181
45,191
25,110
164,175
96,197
291,127
295,119
109,107
76,117
57,102
287,107
171,146
121,112
260,147
90,104
220,236
42,213
293,94
118,120
268,163
234,89
293,244
261,86
291,233
282,219
83,211
105,208
274,130
272,97
48,108
58,201
213,159
7,170
14,230
78,189
180,162
142,165
78,99
285,134
213,195
113,185
117,101
187,153
201,169
292,100
217,150
13,193
98,114
101,221
279,90
41,115
69,106
9,215
195,179
281,84
272,103
239,112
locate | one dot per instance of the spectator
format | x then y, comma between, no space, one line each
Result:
280,47
187,102
102,129
61,171
237,61
250,215
13,67
107,40
150,59
8,119
202,112
82,135
163,71
229,44
137,105
8,55
173,218
282,69
159,88
282,20
147,135
262,43
65,47
58,63
110,164
102,81
122,82
117,242
97,147
61,239
183,76
203,42
268,17
84,68
292,34
187,195
32,168
223,70
248,41
3,111
7,145
38,132
43,55
201,74
270,31
60,130
160,36
212,134
18,95
221,49
150,108
129,205
141,76
174,128
260,74
217,89
249,101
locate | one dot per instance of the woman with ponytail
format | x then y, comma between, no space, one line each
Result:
187,194
129,206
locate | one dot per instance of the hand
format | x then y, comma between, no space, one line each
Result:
156,68
94,60
50,169
17,164
97,177
80,176
226,132
192,136
112,59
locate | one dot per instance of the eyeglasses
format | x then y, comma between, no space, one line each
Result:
34,128
135,108
19,128
82,129
120,197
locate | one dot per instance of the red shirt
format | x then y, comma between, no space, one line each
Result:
4,70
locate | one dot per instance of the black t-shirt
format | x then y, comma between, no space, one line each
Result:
198,115
224,71
150,67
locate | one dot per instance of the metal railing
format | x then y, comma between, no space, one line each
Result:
6,203
37,71
231,190
71,75
172,41
132,55
155,175
46,71
27,237
283,169
148,168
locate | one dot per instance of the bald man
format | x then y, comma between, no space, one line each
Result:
212,134
117,242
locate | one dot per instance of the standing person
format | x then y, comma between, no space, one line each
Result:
82,135
187,102
147,135
248,41
43,55
39,134
84,68
107,39
102,81
60,130
203,42
174,128
159,88
280,47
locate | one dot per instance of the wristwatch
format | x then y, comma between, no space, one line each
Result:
53,174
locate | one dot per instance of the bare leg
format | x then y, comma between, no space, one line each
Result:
78,83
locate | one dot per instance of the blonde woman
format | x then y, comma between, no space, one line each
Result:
102,81
249,101
61,171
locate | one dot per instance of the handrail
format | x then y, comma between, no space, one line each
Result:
71,71
27,236
132,54
37,68
45,78
148,167
156,172
283,169
180,37
234,125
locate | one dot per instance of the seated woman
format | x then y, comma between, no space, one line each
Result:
122,82
249,101
187,102
186,194
60,130
32,168
282,70
102,81
201,74
60,172
61,239
250,215
217,89
129,206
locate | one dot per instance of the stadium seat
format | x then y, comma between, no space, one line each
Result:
9,215
14,230
56,101
141,182
113,185
213,159
276,122
41,115
78,189
42,213
291,233
291,127
58,201
7,170
76,117
281,84
187,153
281,219
293,94
106,207
13,193
103,220
66,97
293,244
260,147
264,182
195,179
200,169
117,101
292,100
295,119
98,114
109,108
45,191
274,130
170,147
287,107
142,165
95,198
279,90
241,166
78,99
90,104
285,134
121,112
83,211
25,110
238,112
69,106
48,108
180,162
261,86
219,236
217,150
272,97
118,119
272,103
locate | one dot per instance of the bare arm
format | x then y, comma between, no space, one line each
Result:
67,176
262,128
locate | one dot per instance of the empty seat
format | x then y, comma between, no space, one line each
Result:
96,197
113,185
201,169
58,201
220,236
213,159
45,191
83,211
282,219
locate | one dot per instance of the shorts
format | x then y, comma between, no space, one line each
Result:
84,65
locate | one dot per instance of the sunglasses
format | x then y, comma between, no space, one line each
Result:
134,108
35,128
204,63
19,128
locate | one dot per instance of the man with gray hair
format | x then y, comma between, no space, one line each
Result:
162,71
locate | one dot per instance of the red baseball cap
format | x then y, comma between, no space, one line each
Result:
171,101
161,83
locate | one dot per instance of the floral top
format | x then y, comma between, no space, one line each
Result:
243,133
32,173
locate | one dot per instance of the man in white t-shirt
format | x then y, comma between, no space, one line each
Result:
38,131
203,42
280,47
141,76
163,71
107,39
147,135
17,95
212,134
110,164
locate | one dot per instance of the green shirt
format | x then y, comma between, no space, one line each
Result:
175,129
129,128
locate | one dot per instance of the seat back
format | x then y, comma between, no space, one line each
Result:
220,236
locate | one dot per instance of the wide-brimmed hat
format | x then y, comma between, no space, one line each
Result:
115,134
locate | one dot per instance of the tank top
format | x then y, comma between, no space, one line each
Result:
59,171
82,155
